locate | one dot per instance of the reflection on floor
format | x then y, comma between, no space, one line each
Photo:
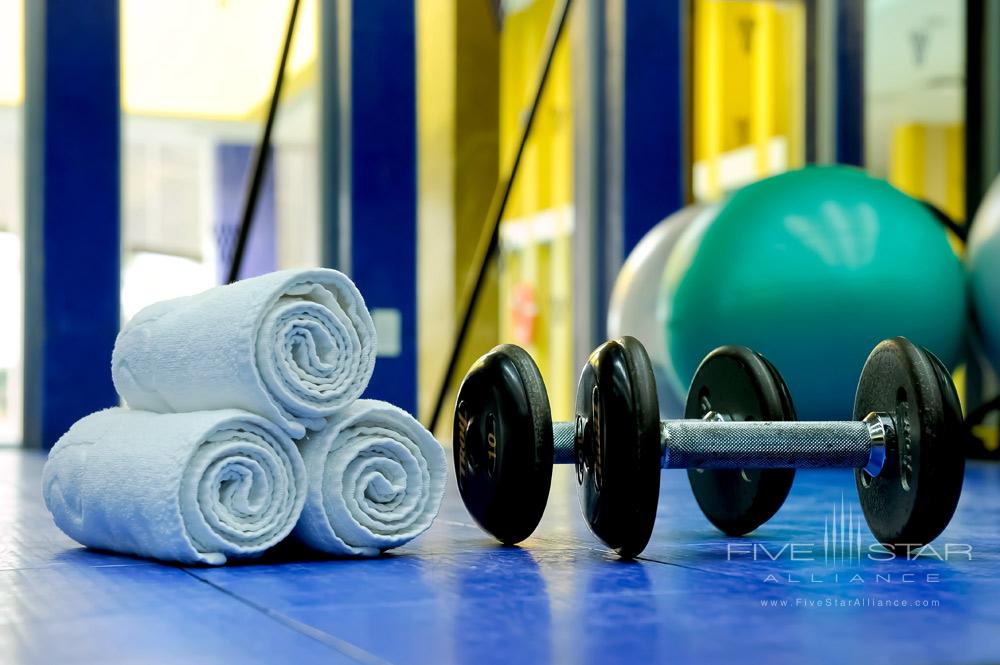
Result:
785,594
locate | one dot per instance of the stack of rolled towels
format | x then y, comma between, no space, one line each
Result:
201,466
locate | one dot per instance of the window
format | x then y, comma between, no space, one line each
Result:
191,122
11,101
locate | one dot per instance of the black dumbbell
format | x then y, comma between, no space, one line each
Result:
741,456
505,444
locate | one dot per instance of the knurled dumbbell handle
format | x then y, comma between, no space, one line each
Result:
722,444
563,438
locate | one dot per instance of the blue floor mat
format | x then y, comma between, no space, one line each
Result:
806,587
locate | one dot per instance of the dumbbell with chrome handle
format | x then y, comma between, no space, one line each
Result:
505,444
741,457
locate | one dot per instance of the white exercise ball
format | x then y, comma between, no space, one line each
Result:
983,261
635,301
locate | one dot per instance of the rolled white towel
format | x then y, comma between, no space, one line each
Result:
189,487
293,346
376,479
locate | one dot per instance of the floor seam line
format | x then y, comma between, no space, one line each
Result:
685,567
337,644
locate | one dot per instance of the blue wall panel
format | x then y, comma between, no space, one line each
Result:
383,180
72,240
654,166
373,234
850,82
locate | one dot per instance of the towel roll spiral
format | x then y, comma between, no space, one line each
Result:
376,479
193,488
293,346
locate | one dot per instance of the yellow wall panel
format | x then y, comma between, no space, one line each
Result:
11,52
458,54
749,91
536,234
927,162
211,60
906,165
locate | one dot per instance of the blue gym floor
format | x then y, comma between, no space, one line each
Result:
454,596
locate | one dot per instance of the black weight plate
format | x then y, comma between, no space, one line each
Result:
618,445
913,499
743,385
503,443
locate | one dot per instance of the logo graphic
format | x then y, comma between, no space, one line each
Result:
842,536
844,545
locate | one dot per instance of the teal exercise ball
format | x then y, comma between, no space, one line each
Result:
983,260
635,301
812,268
666,379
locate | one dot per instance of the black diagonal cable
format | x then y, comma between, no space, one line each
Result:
487,244
960,231
263,152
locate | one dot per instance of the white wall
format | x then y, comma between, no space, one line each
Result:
914,69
